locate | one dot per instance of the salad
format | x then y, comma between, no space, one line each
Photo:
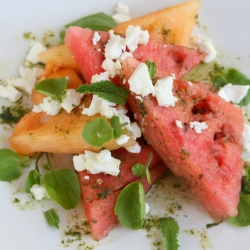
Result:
20,238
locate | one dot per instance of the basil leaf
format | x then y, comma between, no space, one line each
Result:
245,100
151,69
243,217
170,230
220,81
115,123
107,90
34,177
236,77
97,21
52,218
63,187
10,165
54,87
138,169
130,206
97,132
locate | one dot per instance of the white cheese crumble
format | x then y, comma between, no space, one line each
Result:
121,13
245,156
71,100
96,38
178,124
104,76
147,208
198,126
140,82
96,163
134,149
163,92
233,93
122,139
49,106
35,50
10,93
39,192
112,67
205,44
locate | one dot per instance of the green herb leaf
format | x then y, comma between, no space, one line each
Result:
52,218
151,69
117,129
148,175
107,90
243,217
54,87
98,21
46,166
10,165
33,178
170,230
138,169
97,132
130,206
63,187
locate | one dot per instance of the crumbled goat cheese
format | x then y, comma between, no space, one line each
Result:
39,192
97,162
163,92
178,124
147,208
122,139
49,106
96,38
140,82
115,46
35,50
134,149
245,156
112,67
71,100
135,36
10,93
233,93
104,76
121,13
198,126
205,44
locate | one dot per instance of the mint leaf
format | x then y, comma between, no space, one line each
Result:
138,169
151,69
170,230
34,177
130,206
52,218
10,165
107,90
98,21
97,132
63,187
243,217
54,87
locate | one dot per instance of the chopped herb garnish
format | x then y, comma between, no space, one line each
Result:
52,218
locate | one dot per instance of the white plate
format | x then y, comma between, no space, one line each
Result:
23,226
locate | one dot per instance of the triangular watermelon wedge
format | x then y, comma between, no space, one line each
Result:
100,191
210,161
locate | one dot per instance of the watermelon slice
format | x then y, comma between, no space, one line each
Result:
100,191
210,162
170,59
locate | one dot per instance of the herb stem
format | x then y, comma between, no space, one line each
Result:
49,162
37,160
150,157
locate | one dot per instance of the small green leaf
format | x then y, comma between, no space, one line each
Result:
151,69
236,77
98,21
54,87
138,169
34,177
220,81
117,129
10,165
46,166
52,218
107,90
97,132
243,217
148,175
130,206
170,230
63,187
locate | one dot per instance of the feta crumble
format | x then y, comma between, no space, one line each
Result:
10,93
178,124
121,13
35,49
134,149
49,106
96,38
205,44
39,192
122,139
71,100
198,126
97,162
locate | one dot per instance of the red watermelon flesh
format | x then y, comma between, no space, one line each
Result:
210,162
169,59
100,191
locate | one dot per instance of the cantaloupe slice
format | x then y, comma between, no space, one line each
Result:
170,25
